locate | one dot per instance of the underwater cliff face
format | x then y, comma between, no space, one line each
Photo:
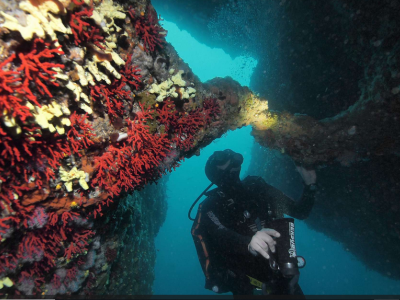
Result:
95,105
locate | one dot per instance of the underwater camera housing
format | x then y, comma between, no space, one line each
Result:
285,258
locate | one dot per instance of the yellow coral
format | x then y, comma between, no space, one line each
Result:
164,89
98,75
177,78
46,115
6,282
39,21
91,66
104,267
27,32
167,88
74,173
105,13
9,121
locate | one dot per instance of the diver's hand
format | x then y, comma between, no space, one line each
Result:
309,176
262,241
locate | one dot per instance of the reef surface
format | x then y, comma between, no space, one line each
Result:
95,106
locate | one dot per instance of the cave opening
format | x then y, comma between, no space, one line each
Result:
331,267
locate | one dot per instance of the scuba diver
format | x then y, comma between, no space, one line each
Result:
241,236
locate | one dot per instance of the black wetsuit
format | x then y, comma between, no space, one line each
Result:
223,231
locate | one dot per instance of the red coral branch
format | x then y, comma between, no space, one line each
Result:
36,70
131,73
182,126
8,78
76,2
149,31
112,95
83,31
32,155
56,281
11,105
5,224
29,275
211,109
8,262
80,133
71,274
135,162
68,215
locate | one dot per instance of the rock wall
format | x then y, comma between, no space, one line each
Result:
95,106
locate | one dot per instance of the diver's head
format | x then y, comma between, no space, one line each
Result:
223,168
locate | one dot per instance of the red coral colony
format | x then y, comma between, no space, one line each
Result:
46,219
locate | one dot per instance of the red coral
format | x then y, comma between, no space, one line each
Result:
113,95
83,31
8,262
28,276
113,166
76,2
5,223
183,126
10,83
42,246
111,254
211,109
36,70
149,31
8,78
80,133
56,281
79,243
32,155
72,249
131,73
133,163
29,156
33,248
68,215
98,211
71,275
53,218
167,114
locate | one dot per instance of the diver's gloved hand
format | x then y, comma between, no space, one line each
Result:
262,241
309,176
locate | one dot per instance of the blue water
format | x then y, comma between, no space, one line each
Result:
207,62
330,269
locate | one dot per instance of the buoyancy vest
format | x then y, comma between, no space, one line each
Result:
242,216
